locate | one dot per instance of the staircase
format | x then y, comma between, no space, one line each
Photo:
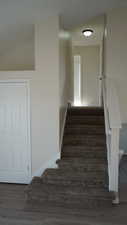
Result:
81,177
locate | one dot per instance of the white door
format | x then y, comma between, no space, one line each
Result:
87,72
14,133
77,80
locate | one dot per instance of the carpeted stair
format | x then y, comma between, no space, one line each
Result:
81,177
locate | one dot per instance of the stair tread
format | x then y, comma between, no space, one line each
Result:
63,174
85,116
73,190
82,142
85,148
81,150
81,155
86,136
82,161
71,153
88,126
85,127
75,140
86,110
85,119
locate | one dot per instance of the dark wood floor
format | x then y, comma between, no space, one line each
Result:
15,211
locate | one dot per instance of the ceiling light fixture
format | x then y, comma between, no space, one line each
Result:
87,32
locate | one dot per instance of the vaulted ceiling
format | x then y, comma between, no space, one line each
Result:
14,13
73,12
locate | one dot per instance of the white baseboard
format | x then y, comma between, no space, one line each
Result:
121,153
49,164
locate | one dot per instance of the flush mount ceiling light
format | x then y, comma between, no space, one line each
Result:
87,32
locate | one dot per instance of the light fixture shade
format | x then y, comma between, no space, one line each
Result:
87,32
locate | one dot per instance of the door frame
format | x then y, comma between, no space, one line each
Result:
27,83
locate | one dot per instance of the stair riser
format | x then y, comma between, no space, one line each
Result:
81,154
82,162
61,176
42,190
70,197
97,112
83,169
85,120
97,149
64,198
78,131
88,165
91,183
88,142
68,202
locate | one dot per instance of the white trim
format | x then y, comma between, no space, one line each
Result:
15,81
49,164
29,131
101,74
62,130
25,81
14,74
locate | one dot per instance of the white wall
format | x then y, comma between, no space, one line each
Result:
17,50
44,94
19,58
45,85
90,69
116,55
64,73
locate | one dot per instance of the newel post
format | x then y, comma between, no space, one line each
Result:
114,164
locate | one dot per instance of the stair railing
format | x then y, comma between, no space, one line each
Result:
113,126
